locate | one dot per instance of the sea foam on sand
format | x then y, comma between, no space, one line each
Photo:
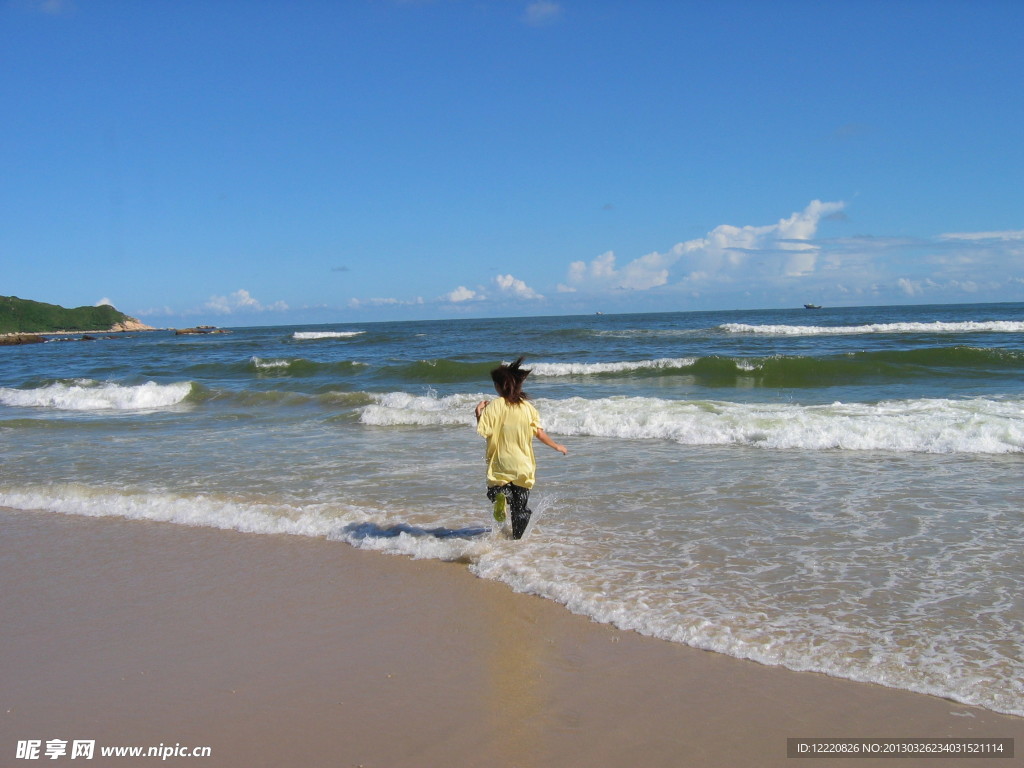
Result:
297,651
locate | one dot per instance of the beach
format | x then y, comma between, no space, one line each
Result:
275,543
277,650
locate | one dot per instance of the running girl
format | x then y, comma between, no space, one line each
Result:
509,424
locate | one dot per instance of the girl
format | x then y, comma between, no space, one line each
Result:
509,424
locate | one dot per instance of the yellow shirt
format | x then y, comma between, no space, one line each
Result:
509,430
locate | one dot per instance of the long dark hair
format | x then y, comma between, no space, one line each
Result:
508,380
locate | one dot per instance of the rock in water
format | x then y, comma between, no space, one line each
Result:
11,339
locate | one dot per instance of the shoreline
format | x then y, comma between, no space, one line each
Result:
130,325
73,333
285,650
16,334
19,338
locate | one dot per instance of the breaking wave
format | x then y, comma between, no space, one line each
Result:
972,326
315,335
970,426
588,369
88,395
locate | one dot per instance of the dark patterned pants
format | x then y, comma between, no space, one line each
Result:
517,498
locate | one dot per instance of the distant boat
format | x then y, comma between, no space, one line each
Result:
812,306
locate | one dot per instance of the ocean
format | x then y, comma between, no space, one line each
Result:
837,490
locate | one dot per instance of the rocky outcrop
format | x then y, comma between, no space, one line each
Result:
130,324
200,330
11,339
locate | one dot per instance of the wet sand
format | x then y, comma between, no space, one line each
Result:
291,651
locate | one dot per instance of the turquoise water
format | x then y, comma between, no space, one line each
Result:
832,490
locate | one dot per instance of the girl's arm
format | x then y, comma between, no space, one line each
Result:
543,437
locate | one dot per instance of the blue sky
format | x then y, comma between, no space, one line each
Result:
261,162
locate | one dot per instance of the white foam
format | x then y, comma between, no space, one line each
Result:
401,408
87,395
261,364
419,544
988,326
584,369
932,426
359,526
689,607
855,597
311,335
806,644
974,426
200,510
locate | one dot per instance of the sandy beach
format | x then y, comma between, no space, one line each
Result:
286,651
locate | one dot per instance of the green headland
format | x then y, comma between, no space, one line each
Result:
26,316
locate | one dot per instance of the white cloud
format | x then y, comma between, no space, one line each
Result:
241,301
164,311
1010,234
517,288
968,286
541,12
384,302
104,302
648,271
640,274
785,262
910,287
726,254
462,293
505,286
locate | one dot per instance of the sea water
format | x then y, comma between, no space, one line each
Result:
830,490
